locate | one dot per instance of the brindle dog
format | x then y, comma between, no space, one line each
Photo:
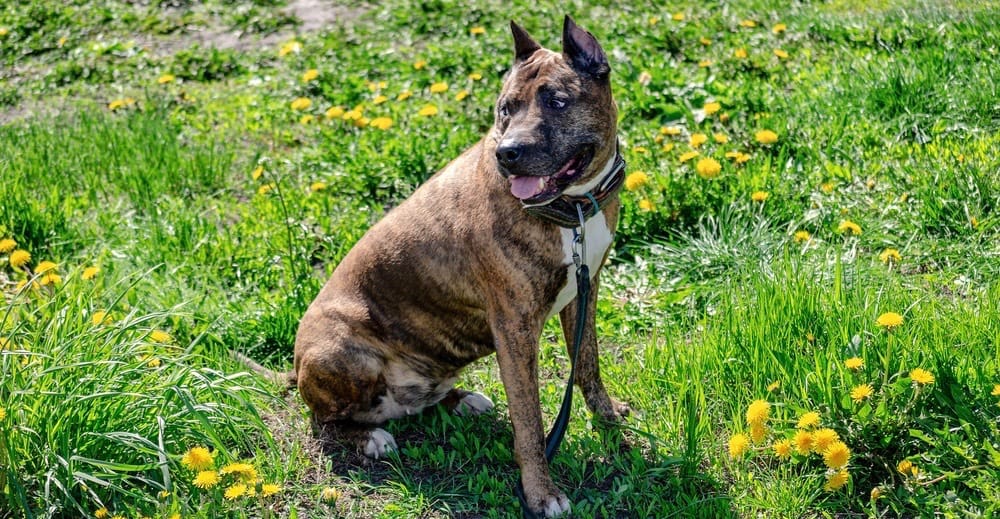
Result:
461,270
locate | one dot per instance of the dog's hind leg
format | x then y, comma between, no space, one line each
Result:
467,403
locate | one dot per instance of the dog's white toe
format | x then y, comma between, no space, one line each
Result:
379,443
474,404
556,506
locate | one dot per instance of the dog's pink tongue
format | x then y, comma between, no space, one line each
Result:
526,187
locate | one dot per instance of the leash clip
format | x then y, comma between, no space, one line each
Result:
579,239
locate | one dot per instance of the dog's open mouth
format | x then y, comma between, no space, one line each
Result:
541,189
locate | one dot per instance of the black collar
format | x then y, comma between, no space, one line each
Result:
562,210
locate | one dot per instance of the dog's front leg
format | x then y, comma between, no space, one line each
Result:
588,371
517,355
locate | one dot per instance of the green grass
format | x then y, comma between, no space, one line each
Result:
215,211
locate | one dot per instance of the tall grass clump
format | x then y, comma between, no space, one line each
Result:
99,401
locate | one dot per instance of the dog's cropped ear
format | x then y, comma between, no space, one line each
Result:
583,52
524,45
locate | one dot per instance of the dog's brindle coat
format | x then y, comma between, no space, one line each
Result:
459,270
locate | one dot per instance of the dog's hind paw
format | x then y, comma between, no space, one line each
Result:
379,444
473,404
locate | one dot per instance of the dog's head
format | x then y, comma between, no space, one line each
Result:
555,129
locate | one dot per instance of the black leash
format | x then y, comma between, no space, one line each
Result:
558,431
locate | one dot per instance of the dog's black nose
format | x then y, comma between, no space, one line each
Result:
509,153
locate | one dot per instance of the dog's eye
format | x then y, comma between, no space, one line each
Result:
556,103
504,110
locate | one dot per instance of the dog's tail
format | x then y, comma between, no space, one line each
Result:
285,379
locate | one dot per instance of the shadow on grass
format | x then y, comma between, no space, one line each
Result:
449,466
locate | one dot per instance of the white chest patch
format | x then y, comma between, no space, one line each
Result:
598,240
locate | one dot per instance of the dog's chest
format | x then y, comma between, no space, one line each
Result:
598,239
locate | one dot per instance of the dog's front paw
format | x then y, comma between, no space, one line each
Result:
473,404
554,505
379,443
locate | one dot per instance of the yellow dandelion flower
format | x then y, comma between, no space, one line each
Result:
198,458
847,226
477,30
163,494
667,147
44,266
708,168
697,140
317,186
159,336
738,445
653,20
889,320
836,481
861,392
475,76
705,63
166,78
780,54
742,157
766,137
439,87
292,47
19,258
89,273
642,150
122,102
301,103
175,515
310,75
206,479
269,489
801,236
382,123
334,112
826,187
101,513
688,156
803,441
773,386
404,95
720,138
670,130
3,413
379,99
758,432
428,111
740,53
50,279
419,64
352,115
265,188
823,439
7,245
889,256
306,119
329,494
244,471
759,196
783,448
361,122
646,205
257,172
749,24
711,108
635,180
837,455
779,28
236,491
677,17
854,363
904,467
704,41
758,412
921,376
100,317
996,390
462,94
